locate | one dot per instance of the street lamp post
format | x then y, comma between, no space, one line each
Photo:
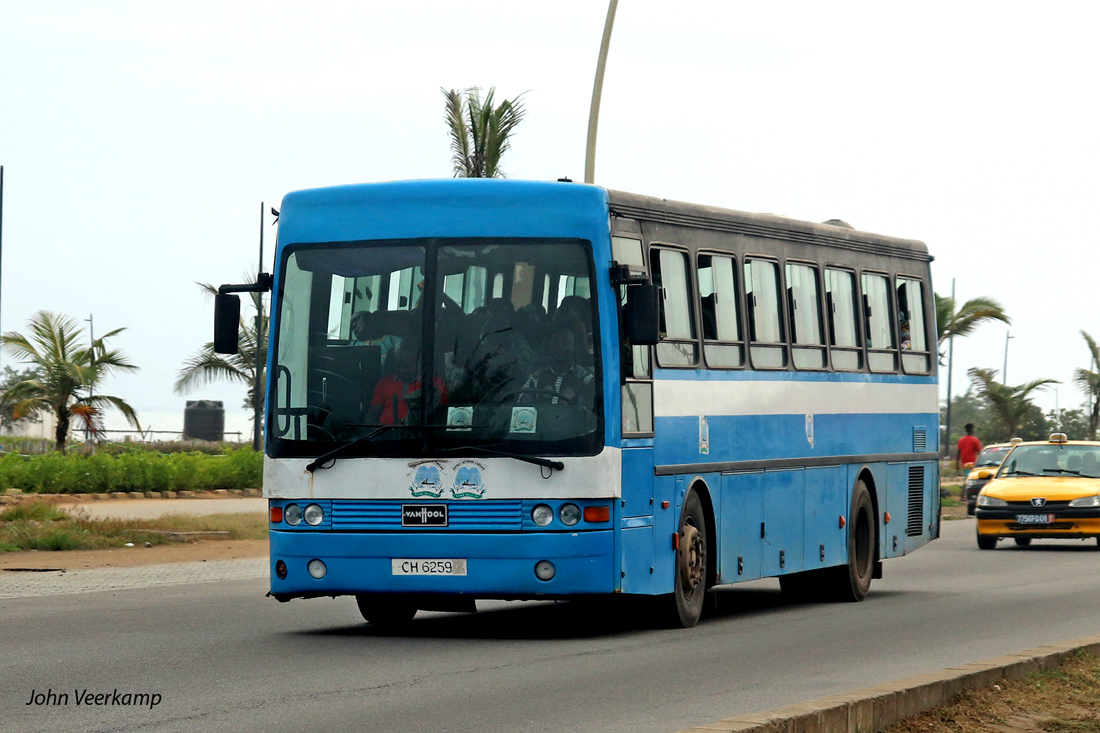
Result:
597,92
1004,371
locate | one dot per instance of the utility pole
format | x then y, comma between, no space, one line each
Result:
950,364
1004,371
91,352
257,401
597,92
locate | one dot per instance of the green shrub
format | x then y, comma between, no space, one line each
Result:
55,473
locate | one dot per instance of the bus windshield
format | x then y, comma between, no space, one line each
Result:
448,344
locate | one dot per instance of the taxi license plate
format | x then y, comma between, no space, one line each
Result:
1034,518
418,566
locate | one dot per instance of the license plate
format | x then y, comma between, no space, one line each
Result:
1034,518
409,566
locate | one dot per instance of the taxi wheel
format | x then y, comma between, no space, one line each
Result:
385,610
1023,541
986,542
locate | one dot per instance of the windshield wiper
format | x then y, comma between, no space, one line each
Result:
341,449
1021,473
544,462
1062,470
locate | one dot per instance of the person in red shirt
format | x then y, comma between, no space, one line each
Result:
968,449
394,392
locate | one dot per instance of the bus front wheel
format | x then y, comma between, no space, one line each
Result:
685,605
386,609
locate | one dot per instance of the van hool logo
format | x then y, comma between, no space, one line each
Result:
428,481
424,515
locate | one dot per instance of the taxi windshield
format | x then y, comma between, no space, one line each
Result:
992,456
1053,460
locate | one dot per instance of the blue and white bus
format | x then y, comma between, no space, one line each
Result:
497,389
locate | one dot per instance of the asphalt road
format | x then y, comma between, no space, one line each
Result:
223,657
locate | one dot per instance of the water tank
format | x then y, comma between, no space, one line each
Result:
204,420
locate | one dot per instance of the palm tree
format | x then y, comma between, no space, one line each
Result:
1010,405
1088,381
67,373
962,322
205,366
480,133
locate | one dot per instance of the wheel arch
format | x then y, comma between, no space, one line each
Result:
868,478
700,487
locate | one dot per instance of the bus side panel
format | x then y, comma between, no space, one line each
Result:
739,528
897,503
826,502
781,546
638,547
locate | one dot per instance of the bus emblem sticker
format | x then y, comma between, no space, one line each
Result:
704,435
427,481
524,419
468,483
810,430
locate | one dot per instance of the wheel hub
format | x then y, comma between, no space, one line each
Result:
691,557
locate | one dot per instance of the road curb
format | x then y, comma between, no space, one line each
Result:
875,708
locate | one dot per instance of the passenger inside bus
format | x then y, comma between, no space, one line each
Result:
397,396
366,331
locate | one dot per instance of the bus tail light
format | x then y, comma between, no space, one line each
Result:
276,514
597,514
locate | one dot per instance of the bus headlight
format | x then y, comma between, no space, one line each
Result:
542,515
293,515
570,514
313,514
1086,501
316,569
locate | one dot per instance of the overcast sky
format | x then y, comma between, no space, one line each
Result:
139,138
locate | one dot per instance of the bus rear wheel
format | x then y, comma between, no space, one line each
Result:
684,606
852,582
386,609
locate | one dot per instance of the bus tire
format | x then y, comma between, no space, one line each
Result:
853,580
385,609
684,605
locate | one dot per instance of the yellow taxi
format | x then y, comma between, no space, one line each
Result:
1044,490
981,473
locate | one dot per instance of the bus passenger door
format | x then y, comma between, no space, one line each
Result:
742,515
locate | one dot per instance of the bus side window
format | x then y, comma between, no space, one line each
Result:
804,314
768,348
677,326
841,308
881,346
719,305
915,356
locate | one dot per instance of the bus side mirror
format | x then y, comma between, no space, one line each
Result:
227,322
641,315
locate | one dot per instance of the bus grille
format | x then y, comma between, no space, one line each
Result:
914,526
491,516
920,440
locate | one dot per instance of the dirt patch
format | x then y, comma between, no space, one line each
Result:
123,557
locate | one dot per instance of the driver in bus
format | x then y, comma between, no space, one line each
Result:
397,394
562,380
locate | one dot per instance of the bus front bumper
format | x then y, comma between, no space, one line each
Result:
496,565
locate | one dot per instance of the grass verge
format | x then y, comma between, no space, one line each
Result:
42,526
1061,700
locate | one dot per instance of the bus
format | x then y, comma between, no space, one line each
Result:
502,389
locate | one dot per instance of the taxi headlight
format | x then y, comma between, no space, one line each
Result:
313,514
1086,501
989,501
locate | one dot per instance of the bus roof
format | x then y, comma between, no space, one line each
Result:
649,208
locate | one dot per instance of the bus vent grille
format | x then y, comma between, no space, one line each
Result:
463,515
920,440
914,527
